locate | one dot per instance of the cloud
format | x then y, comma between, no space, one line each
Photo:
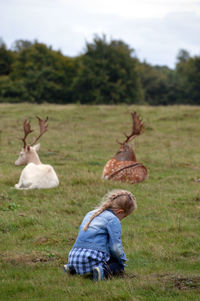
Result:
155,29
156,40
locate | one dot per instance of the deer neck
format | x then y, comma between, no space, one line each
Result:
34,158
125,153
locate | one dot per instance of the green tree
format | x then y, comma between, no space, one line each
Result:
6,59
107,73
12,91
188,78
193,80
19,45
47,74
158,84
183,56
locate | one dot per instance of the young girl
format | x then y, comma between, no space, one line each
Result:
98,248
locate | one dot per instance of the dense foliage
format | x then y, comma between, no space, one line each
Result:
108,72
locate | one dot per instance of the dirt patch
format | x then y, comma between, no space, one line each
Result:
187,283
189,165
45,241
196,199
129,275
179,282
30,258
183,283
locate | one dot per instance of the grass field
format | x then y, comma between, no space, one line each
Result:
38,227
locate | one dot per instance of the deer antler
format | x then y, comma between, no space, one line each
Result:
137,128
43,128
27,130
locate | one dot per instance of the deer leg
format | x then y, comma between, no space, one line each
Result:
17,186
20,185
20,188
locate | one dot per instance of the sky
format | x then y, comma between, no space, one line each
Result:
155,29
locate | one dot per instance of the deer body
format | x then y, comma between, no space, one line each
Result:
35,175
124,170
124,165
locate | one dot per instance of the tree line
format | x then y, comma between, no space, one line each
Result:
107,72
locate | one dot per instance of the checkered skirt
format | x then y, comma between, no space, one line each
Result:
84,260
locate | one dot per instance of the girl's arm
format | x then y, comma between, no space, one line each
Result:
115,245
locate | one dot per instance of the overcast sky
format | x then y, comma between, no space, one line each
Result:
156,29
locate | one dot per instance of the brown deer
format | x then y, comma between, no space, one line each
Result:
35,175
124,165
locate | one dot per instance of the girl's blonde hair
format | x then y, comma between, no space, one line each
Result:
115,199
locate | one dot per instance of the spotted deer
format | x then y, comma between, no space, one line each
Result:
124,165
35,175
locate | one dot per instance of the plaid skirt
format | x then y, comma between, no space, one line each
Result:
84,260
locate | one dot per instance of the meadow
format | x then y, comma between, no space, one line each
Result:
38,227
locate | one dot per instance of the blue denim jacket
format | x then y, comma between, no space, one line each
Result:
103,234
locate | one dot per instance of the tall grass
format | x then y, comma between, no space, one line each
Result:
39,227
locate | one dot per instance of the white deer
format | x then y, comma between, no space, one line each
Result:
35,175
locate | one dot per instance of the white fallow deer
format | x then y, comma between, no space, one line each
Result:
35,175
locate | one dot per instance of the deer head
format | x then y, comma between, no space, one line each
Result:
29,151
126,152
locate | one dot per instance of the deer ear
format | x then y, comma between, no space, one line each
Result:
36,147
